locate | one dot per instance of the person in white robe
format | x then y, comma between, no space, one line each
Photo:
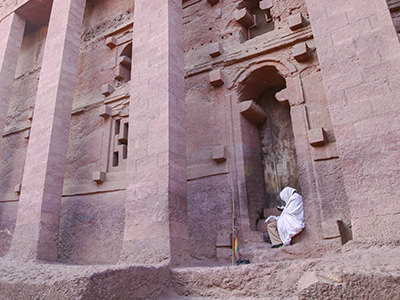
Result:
282,228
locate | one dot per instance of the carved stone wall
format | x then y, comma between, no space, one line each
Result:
257,119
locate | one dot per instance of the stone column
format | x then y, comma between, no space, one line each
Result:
359,53
11,32
36,231
156,210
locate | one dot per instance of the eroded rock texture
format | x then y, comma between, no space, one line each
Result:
189,117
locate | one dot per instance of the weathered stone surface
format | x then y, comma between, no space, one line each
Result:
296,21
157,172
218,154
111,42
330,229
349,89
91,228
266,4
244,17
224,239
107,89
215,49
36,232
105,111
361,135
316,137
301,52
12,30
216,78
99,176
212,2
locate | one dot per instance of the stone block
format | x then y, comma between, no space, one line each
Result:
317,137
266,5
253,112
330,229
17,188
261,225
212,2
244,17
30,115
301,52
122,73
125,61
107,89
27,134
99,176
329,151
296,21
311,278
105,111
224,239
111,42
216,78
218,154
224,254
215,49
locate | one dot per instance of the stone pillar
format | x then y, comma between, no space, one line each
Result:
36,231
359,53
11,32
156,209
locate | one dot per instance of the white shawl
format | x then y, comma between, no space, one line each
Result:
291,220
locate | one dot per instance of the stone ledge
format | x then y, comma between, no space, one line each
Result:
206,170
246,50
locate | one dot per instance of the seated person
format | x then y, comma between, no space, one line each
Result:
291,221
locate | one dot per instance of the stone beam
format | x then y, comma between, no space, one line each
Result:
359,53
36,231
11,32
156,209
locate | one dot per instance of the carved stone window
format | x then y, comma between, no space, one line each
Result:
255,17
120,141
123,68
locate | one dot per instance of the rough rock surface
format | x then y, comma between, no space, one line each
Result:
368,270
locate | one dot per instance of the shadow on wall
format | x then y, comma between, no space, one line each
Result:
268,143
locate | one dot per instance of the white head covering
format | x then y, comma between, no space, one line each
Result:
286,193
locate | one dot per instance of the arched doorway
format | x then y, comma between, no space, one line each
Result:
269,152
123,71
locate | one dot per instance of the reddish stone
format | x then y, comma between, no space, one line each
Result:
163,226
266,4
218,154
253,112
301,52
216,78
111,42
316,137
215,49
105,111
12,30
212,2
99,177
244,17
296,21
107,89
36,231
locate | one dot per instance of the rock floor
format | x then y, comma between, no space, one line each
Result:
368,270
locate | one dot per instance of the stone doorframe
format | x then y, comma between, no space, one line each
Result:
293,95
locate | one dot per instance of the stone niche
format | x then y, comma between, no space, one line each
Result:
255,17
123,67
268,141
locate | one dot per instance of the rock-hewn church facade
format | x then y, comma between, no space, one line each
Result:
138,132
